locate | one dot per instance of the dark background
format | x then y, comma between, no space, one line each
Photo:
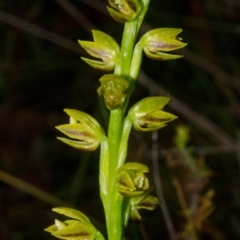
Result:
41,74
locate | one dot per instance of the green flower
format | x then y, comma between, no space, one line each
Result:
78,229
103,47
147,114
157,42
84,128
131,180
124,10
113,88
144,201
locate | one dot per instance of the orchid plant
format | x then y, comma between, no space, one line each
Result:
124,187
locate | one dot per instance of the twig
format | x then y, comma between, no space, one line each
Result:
30,189
40,32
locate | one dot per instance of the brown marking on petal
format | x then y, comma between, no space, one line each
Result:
146,121
132,5
80,234
77,133
121,182
135,220
159,120
148,204
158,44
101,54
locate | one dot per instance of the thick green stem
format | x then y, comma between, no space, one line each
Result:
123,148
114,215
118,135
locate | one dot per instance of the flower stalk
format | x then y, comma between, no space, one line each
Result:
124,187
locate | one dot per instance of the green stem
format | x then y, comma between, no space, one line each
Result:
104,169
128,41
114,199
118,134
124,141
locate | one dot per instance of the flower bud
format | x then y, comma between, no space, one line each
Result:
80,228
127,10
131,180
113,88
144,201
84,128
147,114
157,42
103,47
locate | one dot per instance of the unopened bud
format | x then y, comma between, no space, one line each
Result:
124,10
113,89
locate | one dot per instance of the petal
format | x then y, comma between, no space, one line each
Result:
161,56
99,65
147,105
98,50
134,166
119,17
106,40
80,145
76,231
72,213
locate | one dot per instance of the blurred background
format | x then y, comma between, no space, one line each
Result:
194,161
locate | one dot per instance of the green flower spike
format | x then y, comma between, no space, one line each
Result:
158,41
103,47
78,229
84,128
113,88
144,201
147,114
131,180
127,10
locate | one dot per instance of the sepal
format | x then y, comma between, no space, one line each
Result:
131,179
147,114
144,201
84,129
113,89
78,229
124,10
103,47
157,42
